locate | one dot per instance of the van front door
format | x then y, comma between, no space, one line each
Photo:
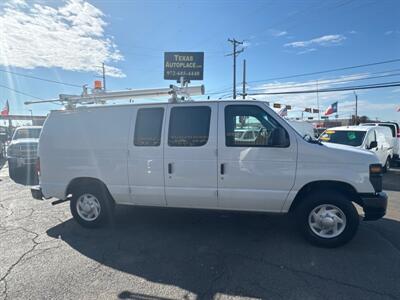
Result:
190,155
255,173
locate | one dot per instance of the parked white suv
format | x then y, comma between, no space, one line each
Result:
188,155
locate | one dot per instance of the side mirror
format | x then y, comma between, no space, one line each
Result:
279,137
373,145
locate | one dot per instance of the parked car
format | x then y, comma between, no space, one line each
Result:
2,147
319,131
22,150
395,129
375,139
188,155
3,141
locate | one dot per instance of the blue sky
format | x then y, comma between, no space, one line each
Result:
68,40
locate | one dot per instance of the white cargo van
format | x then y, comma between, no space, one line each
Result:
378,140
395,130
189,155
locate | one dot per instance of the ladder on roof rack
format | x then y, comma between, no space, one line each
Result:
176,94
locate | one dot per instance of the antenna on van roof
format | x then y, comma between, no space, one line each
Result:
176,94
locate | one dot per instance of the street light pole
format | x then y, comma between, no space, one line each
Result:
244,79
356,118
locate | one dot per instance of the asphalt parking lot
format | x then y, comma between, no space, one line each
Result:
174,254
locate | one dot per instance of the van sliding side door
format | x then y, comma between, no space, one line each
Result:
190,155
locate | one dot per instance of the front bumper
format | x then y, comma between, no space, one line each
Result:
36,192
19,162
374,205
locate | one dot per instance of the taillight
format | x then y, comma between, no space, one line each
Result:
398,132
38,166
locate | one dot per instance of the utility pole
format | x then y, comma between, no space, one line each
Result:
235,53
244,79
104,77
31,115
356,118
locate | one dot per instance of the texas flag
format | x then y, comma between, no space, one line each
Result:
331,109
283,112
6,110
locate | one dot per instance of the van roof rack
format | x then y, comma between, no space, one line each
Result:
176,94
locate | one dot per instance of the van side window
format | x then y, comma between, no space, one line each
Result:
189,126
148,126
370,138
392,128
242,119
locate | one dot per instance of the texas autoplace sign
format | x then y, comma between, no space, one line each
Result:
189,65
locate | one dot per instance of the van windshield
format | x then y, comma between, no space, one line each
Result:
27,133
344,137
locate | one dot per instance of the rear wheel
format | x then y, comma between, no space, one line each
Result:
327,219
91,206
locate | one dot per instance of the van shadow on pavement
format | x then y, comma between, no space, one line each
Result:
249,255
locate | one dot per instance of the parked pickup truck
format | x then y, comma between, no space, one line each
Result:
22,151
190,155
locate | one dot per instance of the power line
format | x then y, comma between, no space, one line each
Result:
215,92
19,92
40,78
331,81
348,88
329,70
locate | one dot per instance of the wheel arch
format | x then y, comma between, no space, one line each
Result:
325,185
87,181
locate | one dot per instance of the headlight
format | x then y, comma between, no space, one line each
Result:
11,151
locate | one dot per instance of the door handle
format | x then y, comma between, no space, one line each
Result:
170,168
222,169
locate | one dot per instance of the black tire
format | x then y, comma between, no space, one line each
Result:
386,167
329,197
105,201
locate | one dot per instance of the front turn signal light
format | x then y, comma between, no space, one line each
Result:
375,169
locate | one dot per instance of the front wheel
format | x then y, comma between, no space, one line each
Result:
327,219
91,206
386,167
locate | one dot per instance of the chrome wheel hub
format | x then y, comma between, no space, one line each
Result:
88,207
327,221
